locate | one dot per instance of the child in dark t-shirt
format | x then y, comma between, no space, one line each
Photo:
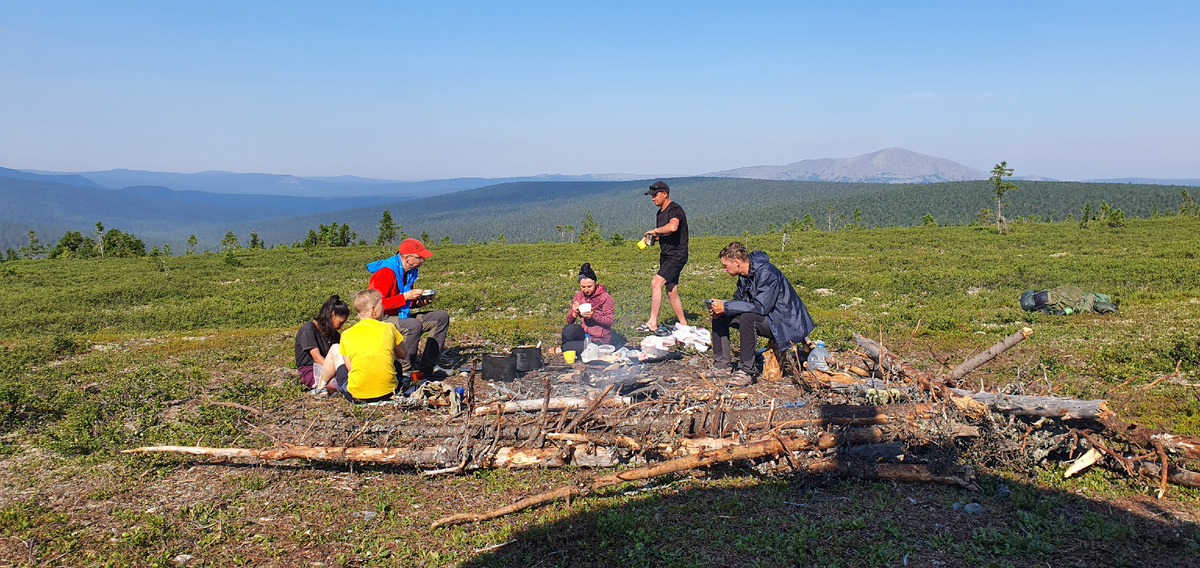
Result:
316,336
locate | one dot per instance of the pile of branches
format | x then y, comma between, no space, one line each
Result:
910,429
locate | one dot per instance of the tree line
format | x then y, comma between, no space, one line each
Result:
835,214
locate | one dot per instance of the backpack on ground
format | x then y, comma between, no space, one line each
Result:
1066,300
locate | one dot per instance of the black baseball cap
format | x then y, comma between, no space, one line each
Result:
657,187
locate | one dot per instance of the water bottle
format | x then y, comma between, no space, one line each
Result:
591,351
817,358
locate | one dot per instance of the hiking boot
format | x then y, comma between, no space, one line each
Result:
739,379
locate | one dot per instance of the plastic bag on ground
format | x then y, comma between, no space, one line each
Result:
590,353
654,347
697,338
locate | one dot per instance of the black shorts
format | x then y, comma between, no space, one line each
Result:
669,269
343,380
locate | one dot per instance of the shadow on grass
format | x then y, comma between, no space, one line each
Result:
732,515
739,519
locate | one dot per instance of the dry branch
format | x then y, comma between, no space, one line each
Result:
974,362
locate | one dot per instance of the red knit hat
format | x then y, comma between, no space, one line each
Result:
413,246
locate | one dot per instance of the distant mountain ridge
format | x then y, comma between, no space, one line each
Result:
289,185
1151,181
893,165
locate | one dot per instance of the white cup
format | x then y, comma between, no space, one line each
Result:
585,308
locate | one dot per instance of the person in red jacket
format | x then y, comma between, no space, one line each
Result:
395,277
594,309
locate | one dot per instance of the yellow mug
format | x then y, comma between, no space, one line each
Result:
642,244
569,357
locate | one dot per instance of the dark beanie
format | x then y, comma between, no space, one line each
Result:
586,271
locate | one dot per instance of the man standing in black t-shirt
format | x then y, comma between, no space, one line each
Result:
672,235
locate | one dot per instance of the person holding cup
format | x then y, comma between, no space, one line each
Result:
593,308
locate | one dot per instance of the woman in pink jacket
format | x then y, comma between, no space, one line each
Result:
594,309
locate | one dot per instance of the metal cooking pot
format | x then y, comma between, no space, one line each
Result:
499,367
528,358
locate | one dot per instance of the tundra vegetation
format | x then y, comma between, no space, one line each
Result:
101,354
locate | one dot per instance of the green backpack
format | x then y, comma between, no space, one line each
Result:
1066,300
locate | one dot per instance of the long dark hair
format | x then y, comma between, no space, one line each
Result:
333,306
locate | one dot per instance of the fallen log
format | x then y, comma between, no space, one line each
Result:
1048,406
555,404
1186,446
769,447
1176,475
974,362
960,475
437,456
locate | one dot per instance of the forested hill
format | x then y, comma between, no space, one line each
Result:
527,212
531,211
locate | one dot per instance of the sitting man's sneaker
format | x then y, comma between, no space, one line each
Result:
739,379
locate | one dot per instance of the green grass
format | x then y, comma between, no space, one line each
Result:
100,353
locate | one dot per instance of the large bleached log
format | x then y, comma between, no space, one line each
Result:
1049,406
435,456
974,362
555,404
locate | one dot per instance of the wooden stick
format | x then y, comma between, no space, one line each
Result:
995,350
1118,387
591,407
1162,456
1114,455
1161,379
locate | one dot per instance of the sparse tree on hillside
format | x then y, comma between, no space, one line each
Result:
100,238
929,221
191,245
1187,205
1000,188
445,241
255,243
35,248
616,240
425,238
387,229
230,242
589,230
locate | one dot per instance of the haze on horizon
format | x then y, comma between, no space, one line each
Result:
412,91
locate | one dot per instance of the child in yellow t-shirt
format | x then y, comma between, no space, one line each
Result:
364,362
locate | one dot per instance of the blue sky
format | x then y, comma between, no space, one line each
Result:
421,90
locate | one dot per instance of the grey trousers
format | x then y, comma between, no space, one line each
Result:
750,325
436,324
